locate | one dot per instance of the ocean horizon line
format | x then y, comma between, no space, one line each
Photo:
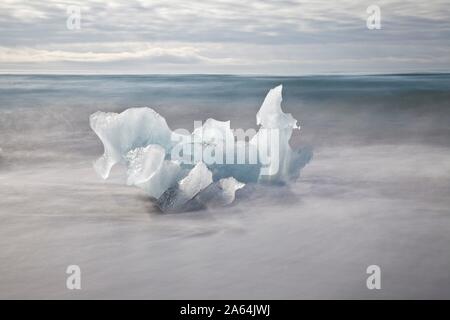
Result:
228,74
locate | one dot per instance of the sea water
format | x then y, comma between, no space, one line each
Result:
375,193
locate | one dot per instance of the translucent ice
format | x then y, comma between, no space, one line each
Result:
123,132
220,193
177,197
275,124
148,170
270,114
200,169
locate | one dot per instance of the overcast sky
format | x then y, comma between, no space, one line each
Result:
224,36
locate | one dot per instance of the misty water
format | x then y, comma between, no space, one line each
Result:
376,192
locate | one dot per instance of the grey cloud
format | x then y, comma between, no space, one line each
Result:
230,33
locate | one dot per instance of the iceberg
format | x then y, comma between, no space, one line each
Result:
126,131
220,193
183,171
177,198
148,170
276,124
